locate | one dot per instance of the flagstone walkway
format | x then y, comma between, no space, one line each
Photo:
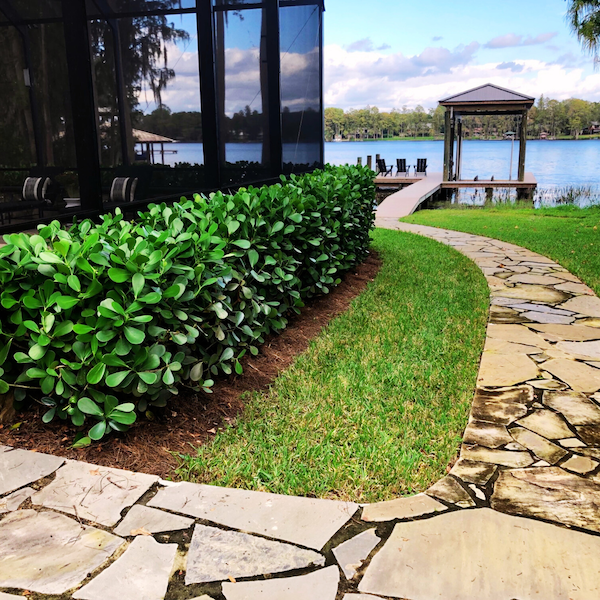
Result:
518,516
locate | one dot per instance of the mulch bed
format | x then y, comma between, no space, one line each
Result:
193,418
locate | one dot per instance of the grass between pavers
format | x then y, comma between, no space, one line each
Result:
566,234
376,406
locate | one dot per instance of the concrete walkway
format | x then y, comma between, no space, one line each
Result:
406,201
517,516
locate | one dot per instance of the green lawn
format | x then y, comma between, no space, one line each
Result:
376,406
568,235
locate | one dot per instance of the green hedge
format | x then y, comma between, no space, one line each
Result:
135,310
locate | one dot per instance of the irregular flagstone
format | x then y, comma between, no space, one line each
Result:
310,522
506,458
353,597
547,424
502,347
530,306
449,490
14,500
517,334
482,554
575,407
498,406
589,322
142,573
21,467
402,508
4,596
579,376
490,435
590,434
540,317
547,384
580,464
593,452
535,293
549,493
572,443
584,350
94,493
575,288
152,520
567,333
217,555
321,585
351,553
584,305
50,553
473,472
505,370
536,279
539,445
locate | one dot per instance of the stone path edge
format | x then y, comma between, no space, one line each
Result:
530,452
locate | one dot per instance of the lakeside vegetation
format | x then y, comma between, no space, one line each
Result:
377,405
567,119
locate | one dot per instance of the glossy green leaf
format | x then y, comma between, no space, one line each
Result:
97,431
96,374
134,336
137,283
115,379
89,407
118,275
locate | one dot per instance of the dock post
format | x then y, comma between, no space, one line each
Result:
369,161
359,160
525,194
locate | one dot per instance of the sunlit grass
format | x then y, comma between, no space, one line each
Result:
568,235
377,405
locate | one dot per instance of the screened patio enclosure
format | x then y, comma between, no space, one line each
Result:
237,84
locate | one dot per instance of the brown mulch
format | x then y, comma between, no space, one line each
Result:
192,418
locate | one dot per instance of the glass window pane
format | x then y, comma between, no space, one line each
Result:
17,148
139,6
37,9
233,3
161,77
241,83
300,86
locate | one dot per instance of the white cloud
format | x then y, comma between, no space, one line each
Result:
512,40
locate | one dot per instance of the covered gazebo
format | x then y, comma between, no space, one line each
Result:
485,100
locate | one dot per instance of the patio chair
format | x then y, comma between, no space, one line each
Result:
421,167
401,167
382,167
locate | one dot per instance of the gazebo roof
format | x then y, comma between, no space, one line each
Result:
489,99
146,136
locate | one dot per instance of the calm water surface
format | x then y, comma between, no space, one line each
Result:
553,163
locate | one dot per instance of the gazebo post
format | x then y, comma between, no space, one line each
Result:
447,125
522,145
459,149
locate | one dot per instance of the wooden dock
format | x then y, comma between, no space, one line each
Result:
407,200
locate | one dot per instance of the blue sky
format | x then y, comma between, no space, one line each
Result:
391,54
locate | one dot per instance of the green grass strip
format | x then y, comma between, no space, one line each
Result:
375,408
567,234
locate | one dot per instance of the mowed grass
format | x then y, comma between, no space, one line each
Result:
375,408
567,234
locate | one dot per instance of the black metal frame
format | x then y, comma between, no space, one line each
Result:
75,21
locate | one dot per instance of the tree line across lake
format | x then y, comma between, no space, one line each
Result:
547,118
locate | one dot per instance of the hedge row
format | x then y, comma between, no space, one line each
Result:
136,310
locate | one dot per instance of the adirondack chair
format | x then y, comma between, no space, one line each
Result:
382,167
421,167
401,167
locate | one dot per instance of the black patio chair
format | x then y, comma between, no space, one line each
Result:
421,167
382,167
402,167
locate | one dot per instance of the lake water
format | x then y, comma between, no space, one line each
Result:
554,163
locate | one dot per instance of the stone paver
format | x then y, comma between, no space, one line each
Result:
321,585
14,500
567,333
547,424
584,305
581,377
549,493
402,508
50,553
94,493
473,472
19,467
449,490
575,407
482,554
580,464
151,520
217,555
306,521
351,553
505,370
142,573
539,445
